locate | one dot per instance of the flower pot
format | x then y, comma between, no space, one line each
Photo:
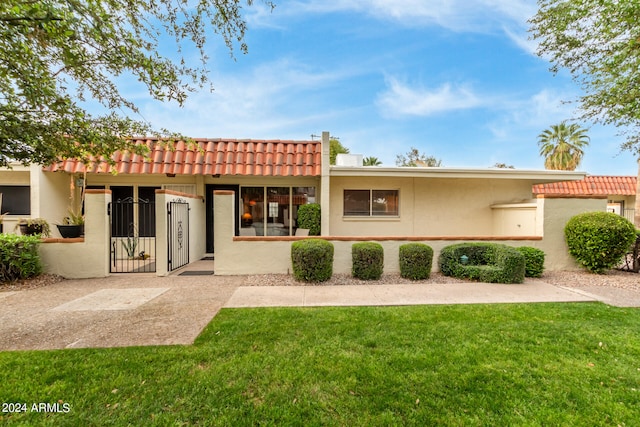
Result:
70,231
30,230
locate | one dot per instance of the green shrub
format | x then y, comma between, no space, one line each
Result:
368,260
312,260
19,258
415,261
533,261
599,240
486,262
309,218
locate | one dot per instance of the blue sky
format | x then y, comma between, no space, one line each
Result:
457,79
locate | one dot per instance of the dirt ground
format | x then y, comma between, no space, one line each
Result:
151,310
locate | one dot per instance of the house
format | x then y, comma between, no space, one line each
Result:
620,191
238,199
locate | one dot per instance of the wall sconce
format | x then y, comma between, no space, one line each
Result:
464,260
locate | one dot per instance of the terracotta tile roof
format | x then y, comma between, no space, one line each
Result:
212,157
590,186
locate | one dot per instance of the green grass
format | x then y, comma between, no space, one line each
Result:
502,365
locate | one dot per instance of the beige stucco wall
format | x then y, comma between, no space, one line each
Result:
516,219
82,258
428,206
556,214
50,196
259,255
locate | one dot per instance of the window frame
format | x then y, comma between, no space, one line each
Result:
16,199
372,213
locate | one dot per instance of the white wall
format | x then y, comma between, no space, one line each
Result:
86,257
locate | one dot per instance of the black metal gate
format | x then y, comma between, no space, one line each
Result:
178,234
133,236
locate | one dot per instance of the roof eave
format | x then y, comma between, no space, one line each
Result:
534,176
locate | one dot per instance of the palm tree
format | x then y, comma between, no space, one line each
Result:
371,161
561,146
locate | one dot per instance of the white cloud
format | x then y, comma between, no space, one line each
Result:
457,15
399,99
532,114
254,104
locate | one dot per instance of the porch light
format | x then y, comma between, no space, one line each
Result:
464,260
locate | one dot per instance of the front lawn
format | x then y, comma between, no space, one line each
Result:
519,364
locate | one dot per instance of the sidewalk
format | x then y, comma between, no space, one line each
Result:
138,309
413,294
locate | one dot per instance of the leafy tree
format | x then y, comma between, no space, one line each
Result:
503,166
562,146
56,54
598,42
335,148
415,158
371,161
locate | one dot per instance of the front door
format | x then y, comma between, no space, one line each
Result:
210,188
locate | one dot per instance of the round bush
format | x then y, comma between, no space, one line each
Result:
309,218
533,261
19,257
599,240
312,260
415,261
486,262
368,260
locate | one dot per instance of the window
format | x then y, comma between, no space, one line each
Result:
16,199
272,211
370,203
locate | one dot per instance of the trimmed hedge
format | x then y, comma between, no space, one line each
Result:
19,258
309,218
599,240
487,262
312,260
533,261
368,260
416,260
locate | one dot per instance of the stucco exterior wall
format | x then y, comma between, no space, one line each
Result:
50,196
427,207
556,214
263,255
86,257
516,219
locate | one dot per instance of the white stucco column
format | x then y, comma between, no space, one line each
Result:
223,231
325,187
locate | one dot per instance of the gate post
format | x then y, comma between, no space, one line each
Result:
96,229
223,231
162,239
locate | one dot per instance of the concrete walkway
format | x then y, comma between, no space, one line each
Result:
139,309
413,294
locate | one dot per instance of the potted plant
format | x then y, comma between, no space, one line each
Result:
72,225
31,226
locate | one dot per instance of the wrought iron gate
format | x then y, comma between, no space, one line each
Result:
178,234
133,236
